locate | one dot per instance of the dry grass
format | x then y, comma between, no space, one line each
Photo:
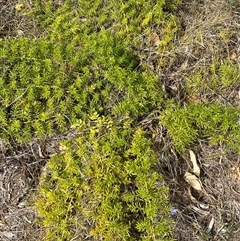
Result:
17,21
19,176
20,168
220,202
211,31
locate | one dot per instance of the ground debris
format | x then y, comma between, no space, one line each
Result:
20,168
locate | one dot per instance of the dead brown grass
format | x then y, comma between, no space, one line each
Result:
16,19
210,31
20,168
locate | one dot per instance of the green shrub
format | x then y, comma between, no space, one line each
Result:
105,183
129,20
46,86
88,61
213,121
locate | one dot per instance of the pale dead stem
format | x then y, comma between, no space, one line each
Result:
200,43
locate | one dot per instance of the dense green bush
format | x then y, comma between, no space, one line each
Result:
88,61
87,72
46,85
104,186
131,21
212,121
215,122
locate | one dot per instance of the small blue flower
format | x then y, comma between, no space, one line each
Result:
238,121
174,211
